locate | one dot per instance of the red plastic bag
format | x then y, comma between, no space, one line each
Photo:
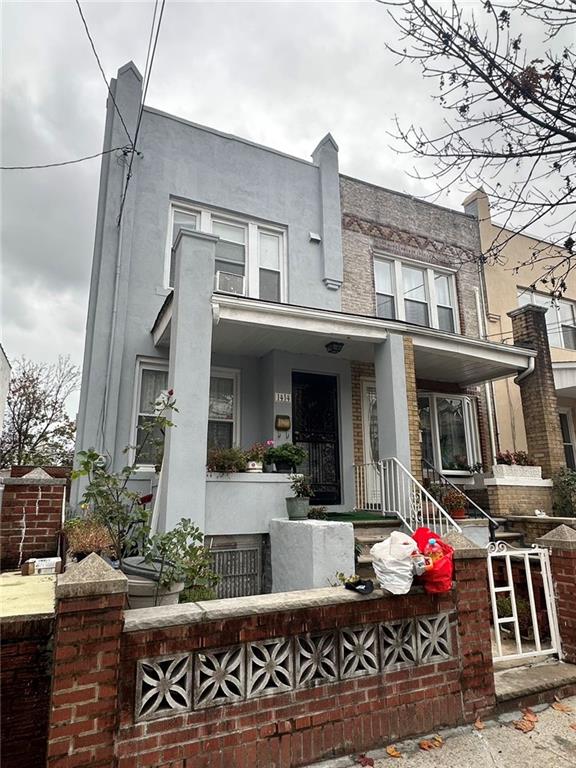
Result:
439,577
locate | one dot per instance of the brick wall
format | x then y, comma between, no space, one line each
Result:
538,392
506,500
25,670
273,681
31,516
413,413
359,371
533,528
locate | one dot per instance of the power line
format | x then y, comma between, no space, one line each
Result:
67,162
102,72
144,93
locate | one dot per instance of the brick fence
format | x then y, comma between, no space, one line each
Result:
267,681
31,516
271,681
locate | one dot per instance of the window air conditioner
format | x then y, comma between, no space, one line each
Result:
228,282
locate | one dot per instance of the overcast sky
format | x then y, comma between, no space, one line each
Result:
282,74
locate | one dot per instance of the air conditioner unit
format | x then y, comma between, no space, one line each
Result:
228,282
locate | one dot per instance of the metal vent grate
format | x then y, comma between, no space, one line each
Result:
239,571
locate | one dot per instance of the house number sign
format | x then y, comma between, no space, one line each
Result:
283,397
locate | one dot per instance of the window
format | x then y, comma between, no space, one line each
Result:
416,294
245,250
560,317
568,438
223,410
153,382
448,425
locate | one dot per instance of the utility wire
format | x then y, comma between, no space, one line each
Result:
102,72
145,91
67,162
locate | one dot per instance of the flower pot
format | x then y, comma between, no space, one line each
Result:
457,514
253,466
284,466
142,592
297,508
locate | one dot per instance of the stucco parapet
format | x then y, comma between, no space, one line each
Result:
464,549
561,537
217,610
91,577
518,482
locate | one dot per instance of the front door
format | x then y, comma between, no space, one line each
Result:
315,428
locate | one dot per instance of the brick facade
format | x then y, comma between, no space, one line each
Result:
413,413
533,528
25,674
506,500
538,392
32,514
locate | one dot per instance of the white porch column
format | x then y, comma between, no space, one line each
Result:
393,431
184,467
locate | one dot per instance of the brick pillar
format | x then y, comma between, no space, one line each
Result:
539,402
562,544
413,415
90,601
473,606
32,514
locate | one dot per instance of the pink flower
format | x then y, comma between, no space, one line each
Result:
170,392
269,443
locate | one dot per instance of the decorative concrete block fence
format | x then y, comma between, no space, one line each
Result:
271,681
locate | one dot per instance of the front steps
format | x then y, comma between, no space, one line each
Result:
366,534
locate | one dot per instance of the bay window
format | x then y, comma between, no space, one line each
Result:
448,426
560,317
250,258
415,293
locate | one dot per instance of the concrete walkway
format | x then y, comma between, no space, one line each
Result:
552,744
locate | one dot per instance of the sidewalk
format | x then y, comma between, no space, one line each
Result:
552,744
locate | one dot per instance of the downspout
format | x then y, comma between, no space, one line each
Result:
481,311
524,374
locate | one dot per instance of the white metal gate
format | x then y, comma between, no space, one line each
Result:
524,625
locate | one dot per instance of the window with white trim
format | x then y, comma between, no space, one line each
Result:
250,257
560,317
415,293
449,430
223,409
153,382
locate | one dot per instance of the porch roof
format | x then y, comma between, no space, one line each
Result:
565,379
253,327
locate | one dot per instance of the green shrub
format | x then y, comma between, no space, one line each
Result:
565,493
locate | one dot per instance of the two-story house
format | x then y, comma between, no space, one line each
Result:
279,299
508,286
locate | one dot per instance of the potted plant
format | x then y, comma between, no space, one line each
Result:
255,455
298,504
516,464
225,460
158,565
286,457
455,503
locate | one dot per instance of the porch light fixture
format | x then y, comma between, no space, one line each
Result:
334,347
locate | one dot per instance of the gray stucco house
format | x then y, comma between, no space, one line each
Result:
234,270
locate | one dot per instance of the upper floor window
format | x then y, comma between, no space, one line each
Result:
560,318
415,294
250,257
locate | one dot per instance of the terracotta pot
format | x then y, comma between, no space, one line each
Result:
457,514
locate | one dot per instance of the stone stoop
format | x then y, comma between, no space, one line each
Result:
503,533
366,534
532,684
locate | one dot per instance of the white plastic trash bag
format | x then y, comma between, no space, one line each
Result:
393,564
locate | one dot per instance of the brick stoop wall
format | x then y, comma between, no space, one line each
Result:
308,674
31,516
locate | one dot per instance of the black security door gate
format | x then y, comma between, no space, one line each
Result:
315,428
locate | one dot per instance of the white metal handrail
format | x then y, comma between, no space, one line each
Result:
387,486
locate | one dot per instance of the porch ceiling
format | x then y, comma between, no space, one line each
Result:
565,379
254,328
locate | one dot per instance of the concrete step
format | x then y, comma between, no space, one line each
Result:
510,537
533,684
